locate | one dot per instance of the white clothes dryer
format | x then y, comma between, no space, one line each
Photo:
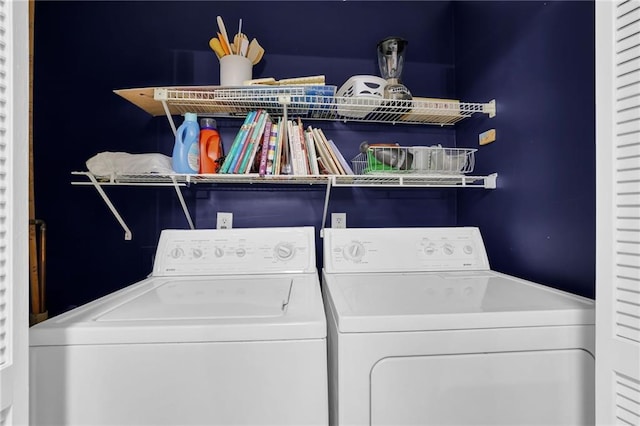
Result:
229,329
422,332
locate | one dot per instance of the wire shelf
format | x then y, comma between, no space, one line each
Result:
152,179
318,103
416,181
376,179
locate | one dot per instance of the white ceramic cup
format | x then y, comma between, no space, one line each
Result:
234,70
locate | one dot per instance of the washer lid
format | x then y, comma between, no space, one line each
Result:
205,299
194,309
449,301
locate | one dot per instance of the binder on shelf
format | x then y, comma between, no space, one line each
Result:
332,153
325,156
305,167
343,162
277,163
238,142
311,152
294,147
321,152
271,154
252,143
264,149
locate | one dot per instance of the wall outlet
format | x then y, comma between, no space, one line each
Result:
338,220
224,220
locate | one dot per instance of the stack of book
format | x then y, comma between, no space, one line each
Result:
267,146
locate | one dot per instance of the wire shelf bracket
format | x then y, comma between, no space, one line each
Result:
187,215
326,206
114,211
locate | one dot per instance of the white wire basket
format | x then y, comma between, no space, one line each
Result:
387,158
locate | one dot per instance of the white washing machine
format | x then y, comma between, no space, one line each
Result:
229,329
422,332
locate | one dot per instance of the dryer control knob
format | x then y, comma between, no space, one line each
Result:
354,251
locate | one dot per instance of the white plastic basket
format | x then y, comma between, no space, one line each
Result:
414,159
360,95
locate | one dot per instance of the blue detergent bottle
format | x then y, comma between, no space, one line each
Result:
186,151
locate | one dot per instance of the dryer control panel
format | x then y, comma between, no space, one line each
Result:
404,250
235,251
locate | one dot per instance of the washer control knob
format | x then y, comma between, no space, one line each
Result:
197,253
176,253
448,249
240,252
284,251
429,249
467,249
218,252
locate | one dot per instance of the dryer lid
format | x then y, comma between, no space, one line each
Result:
448,301
194,309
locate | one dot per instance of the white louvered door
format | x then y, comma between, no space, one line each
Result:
618,212
14,109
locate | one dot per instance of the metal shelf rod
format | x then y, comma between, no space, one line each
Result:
169,118
326,206
182,203
105,198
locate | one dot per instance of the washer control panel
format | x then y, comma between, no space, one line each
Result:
404,249
235,251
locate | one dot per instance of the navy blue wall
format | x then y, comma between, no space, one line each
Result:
85,49
540,66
